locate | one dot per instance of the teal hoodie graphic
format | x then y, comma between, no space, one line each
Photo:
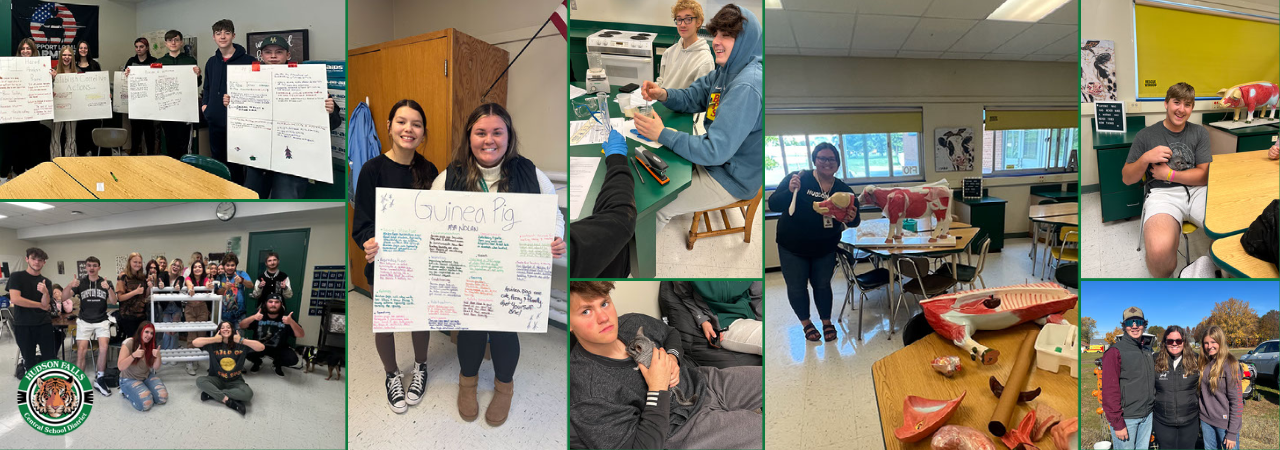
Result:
732,150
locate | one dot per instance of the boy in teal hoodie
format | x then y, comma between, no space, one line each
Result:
729,158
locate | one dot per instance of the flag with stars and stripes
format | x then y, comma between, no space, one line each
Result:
53,25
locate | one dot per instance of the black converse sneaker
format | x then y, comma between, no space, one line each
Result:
418,385
97,384
395,393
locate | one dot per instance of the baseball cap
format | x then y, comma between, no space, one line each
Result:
275,39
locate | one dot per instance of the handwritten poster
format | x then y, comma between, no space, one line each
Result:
80,96
462,261
167,94
276,119
119,93
26,90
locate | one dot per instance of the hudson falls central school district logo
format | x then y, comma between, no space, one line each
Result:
55,397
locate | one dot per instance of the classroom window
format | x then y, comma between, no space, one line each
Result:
1040,150
865,157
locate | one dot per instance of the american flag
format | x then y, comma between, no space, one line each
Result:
561,18
48,11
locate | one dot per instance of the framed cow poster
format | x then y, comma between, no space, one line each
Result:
953,149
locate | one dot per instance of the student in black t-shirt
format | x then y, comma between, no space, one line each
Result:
273,327
227,352
95,294
30,295
400,167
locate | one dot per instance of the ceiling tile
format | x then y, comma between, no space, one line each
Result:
781,51
835,6
816,30
876,32
962,9
937,34
1035,38
778,32
1004,56
987,35
1069,44
874,53
1068,14
824,51
912,8
962,55
919,55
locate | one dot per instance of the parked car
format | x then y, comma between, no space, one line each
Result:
1264,358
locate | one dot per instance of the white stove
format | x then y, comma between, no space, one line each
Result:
627,55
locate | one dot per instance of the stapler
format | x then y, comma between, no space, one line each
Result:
652,163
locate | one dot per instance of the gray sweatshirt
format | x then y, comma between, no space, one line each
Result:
1225,408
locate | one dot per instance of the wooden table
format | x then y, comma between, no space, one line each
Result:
1053,213
907,372
1230,256
879,227
1240,186
148,177
1068,219
1053,209
45,181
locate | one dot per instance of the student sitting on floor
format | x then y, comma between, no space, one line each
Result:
1172,158
138,362
225,382
617,403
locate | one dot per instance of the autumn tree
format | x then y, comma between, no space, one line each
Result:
1269,326
1238,321
1087,328
1113,335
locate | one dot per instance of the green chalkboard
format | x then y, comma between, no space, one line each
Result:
6,28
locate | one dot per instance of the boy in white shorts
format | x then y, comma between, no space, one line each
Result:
95,293
1174,158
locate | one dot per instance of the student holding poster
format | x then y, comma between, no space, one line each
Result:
224,31
25,135
66,64
489,160
404,168
177,135
142,131
269,184
85,64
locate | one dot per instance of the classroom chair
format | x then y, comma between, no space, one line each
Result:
748,209
207,164
112,138
926,284
871,280
916,329
968,274
1037,238
1187,227
1066,235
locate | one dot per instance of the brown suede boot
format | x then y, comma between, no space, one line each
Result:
496,413
468,407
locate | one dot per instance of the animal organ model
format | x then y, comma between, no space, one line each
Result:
840,206
911,203
1250,96
958,315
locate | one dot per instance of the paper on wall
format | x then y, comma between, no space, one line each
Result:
462,261
276,119
167,94
119,93
26,90
81,96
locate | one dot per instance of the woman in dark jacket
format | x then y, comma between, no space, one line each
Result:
1176,408
807,240
84,131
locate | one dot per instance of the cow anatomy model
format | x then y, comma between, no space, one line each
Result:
1250,96
912,203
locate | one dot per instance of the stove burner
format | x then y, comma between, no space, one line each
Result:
643,34
639,38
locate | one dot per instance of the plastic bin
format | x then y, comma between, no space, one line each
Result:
1057,347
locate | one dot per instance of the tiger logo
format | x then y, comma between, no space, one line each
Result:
55,397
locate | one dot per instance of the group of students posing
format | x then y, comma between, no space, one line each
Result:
176,136
35,300
1173,393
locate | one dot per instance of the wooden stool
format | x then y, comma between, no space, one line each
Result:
748,214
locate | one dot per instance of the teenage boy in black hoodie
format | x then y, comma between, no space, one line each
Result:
224,31
600,241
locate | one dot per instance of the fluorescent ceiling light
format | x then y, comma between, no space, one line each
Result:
1025,10
773,4
32,205
2,216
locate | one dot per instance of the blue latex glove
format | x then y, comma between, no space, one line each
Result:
617,145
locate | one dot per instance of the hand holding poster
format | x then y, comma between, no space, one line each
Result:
276,119
462,261
119,93
26,90
166,94
81,96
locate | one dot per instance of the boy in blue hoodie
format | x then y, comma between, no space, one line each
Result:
729,158
215,86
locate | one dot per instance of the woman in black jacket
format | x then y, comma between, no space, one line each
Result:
1176,408
84,131
807,240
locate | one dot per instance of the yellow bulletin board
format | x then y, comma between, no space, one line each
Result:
1208,49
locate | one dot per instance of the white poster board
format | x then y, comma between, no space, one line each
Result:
462,261
277,121
81,96
168,94
26,90
119,93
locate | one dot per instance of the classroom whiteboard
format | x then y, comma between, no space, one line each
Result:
81,96
276,119
462,261
166,94
26,90
119,93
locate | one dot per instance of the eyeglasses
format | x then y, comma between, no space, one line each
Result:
824,159
1173,342
1134,323
685,20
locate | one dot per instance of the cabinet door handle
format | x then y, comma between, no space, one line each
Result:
1134,204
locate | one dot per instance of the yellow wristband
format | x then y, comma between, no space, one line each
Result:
1170,174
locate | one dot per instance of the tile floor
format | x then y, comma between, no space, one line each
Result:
539,413
1110,250
810,384
303,410
713,257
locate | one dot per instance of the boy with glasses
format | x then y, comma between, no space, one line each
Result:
690,58
1129,384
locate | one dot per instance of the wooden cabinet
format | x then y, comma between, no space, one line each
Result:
446,72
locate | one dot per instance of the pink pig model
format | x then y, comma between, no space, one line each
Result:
840,206
1251,96
956,316
912,203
